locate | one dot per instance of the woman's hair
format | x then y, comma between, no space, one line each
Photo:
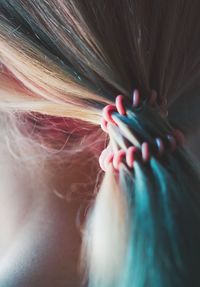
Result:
67,60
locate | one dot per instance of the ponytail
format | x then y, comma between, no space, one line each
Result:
70,59
143,229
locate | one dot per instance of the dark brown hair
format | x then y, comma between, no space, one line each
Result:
70,59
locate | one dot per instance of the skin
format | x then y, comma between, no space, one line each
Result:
40,242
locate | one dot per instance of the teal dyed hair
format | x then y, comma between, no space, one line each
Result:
164,244
163,206
151,216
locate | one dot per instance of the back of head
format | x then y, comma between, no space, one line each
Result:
71,59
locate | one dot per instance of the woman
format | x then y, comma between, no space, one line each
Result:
67,67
